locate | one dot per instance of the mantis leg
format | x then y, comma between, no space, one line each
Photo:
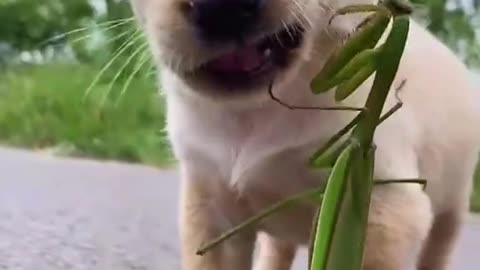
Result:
315,195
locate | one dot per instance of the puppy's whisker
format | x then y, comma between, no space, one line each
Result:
107,42
326,7
80,39
279,40
322,8
178,63
151,70
171,63
287,29
122,68
143,60
119,36
78,30
307,20
294,14
301,10
128,43
122,21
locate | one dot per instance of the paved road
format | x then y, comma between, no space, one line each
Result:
70,214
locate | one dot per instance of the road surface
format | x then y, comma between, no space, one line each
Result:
59,214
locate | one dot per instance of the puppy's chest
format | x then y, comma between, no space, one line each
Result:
260,148
267,164
264,155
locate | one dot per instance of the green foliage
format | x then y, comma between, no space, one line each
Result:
455,24
40,26
43,106
475,201
27,23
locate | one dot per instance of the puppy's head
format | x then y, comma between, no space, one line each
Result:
230,48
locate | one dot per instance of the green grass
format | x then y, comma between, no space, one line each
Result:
42,107
475,202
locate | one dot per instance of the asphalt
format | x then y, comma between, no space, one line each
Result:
59,214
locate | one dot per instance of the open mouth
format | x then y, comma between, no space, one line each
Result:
255,62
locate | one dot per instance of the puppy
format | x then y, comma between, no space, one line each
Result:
239,151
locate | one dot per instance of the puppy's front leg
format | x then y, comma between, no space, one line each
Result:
209,208
400,215
399,223
275,254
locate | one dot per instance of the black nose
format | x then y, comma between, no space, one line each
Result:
224,20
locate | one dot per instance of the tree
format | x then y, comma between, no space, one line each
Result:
26,24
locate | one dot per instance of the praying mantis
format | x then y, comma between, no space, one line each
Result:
339,230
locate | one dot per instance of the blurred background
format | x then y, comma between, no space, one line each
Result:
76,76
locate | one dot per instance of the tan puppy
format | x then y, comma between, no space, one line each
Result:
239,151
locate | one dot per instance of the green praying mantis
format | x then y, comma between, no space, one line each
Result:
339,230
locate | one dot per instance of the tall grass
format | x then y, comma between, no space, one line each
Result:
44,107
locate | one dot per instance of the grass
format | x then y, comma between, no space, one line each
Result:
42,107
475,202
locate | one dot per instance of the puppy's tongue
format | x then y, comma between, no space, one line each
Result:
241,60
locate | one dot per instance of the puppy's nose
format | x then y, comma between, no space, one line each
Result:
224,20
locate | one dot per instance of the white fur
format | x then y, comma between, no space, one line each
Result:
437,123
